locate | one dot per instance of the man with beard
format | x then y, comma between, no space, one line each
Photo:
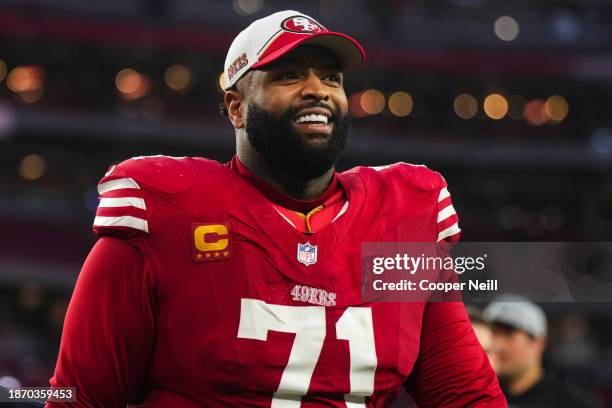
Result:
239,284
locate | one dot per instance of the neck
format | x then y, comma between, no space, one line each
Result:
524,382
305,190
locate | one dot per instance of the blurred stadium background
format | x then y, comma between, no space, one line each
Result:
511,101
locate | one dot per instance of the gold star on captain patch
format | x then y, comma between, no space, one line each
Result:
216,254
199,256
225,253
208,255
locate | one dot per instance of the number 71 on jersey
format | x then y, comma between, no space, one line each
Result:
308,323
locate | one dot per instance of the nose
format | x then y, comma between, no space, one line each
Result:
314,88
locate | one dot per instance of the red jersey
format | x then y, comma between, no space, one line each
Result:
200,294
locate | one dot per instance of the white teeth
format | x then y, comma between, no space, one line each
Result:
312,118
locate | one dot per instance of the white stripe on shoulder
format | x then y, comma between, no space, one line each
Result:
443,194
446,212
123,202
125,221
452,230
117,184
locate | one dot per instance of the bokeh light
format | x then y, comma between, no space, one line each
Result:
535,113
178,77
131,84
556,108
32,167
372,101
401,104
128,81
495,106
8,382
246,7
601,141
25,78
506,28
466,106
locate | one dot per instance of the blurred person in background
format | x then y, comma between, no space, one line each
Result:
519,340
210,283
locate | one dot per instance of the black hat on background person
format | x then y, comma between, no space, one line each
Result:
519,339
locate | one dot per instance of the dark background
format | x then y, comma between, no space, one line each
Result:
538,173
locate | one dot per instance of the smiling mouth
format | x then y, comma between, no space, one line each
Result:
313,122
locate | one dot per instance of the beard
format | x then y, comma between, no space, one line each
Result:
283,148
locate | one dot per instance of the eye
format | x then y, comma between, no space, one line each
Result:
288,75
333,77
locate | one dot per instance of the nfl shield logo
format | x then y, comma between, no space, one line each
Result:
307,254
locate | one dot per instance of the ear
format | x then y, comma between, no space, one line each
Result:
235,108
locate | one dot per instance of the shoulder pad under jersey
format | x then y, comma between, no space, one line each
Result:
404,175
414,175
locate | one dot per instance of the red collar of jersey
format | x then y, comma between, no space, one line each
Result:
278,197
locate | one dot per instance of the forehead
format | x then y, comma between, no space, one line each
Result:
306,56
508,331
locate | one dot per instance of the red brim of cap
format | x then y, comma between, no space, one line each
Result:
347,50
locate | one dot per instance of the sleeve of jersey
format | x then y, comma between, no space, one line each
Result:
452,370
107,339
122,210
448,221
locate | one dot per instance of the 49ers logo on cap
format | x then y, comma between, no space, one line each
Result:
237,65
301,24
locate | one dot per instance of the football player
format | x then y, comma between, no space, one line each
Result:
238,284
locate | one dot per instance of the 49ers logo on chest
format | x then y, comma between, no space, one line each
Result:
312,295
301,24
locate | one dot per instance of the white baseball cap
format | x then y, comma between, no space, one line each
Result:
271,37
518,312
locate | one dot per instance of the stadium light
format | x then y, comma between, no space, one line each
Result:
465,106
32,167
131,84
372,101
246,7
506,28
25,78
178,77
401,104
556,108
534,112
496,106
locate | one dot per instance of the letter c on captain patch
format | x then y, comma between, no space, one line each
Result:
211,242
